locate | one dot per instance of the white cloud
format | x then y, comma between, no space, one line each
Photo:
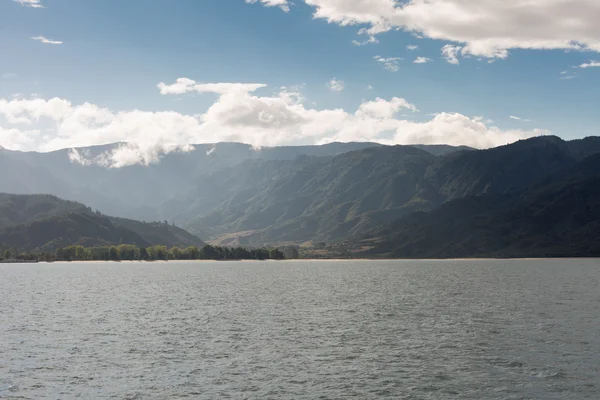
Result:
27,111
380,108
283,4
8,75
519,118
450,52
370,87
185,85
422,60
236,115
391,64
486,28
590,64
370,40
19,139
30,3
82,157
336,85
46,40
446,128
412,47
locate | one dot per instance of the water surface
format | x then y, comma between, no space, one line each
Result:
330,330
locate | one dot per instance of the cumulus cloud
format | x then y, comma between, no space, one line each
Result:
18,139
412,47
45,40
450,53
391,63
30,3
380,108
185,85
26,111
236,115
590,64
422,60
336,85
283,4
447,128
485,28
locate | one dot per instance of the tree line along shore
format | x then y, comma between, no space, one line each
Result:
126,252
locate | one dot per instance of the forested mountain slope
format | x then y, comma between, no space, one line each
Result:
233,194
310,197
44,222
559,216
19,209
329,199
137,191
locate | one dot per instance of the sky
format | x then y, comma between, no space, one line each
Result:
164,74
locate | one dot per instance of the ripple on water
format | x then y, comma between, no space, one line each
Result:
312,330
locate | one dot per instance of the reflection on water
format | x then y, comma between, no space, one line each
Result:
390,329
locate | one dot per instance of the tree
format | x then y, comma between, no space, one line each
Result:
113,253
192,253
275,254
209,252
291,252
175,253
157,252
128,252
161,252
7,255
80,253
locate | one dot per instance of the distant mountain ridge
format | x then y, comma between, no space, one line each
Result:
232,194
45,223
329,199
138,191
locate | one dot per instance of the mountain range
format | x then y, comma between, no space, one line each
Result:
398,201
558,216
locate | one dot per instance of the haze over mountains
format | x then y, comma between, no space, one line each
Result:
233,194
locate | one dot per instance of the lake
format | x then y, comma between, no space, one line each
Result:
481,329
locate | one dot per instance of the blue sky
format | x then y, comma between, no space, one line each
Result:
114,53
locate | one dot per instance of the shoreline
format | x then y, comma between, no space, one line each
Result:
307,260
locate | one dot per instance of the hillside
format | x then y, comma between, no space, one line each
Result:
138,191
311,198
502,169
20,209
43,222
231,194
332,198
557,217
